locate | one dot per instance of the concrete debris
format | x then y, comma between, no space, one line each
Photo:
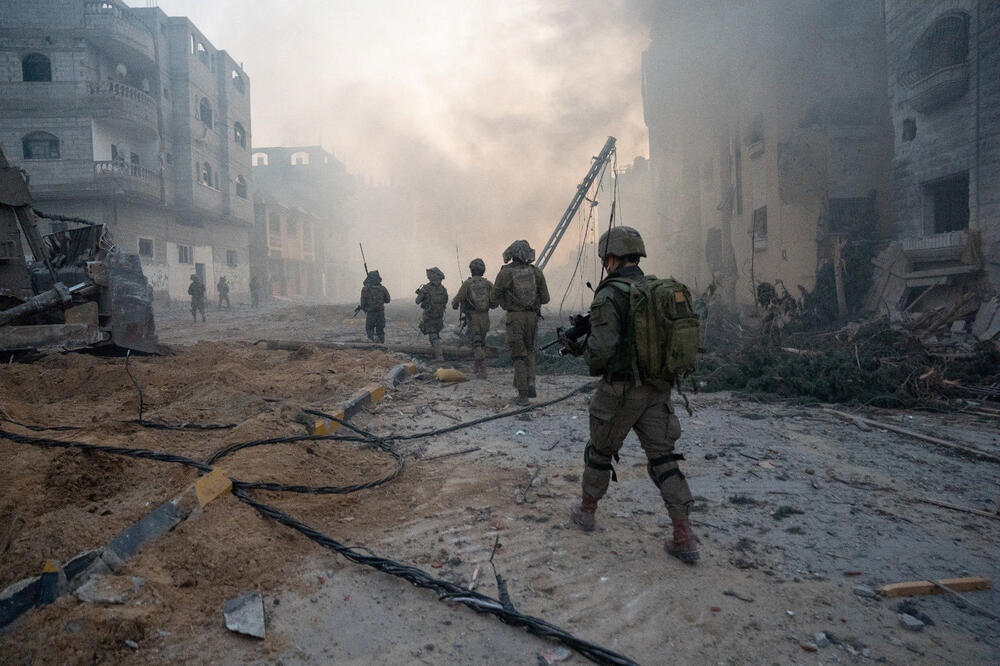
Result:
109,590
910,622
865,592
245,615
809,647
131,643
554,655
821,640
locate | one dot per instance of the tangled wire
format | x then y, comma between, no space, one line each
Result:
501,608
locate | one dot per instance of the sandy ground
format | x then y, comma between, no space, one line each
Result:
794,508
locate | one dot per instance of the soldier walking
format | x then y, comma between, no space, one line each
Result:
433,299
197,292
223,288
254,291
622,402
521,291
474,300
374,296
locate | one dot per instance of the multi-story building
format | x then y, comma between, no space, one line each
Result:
944,85
134,119
768,137
284,253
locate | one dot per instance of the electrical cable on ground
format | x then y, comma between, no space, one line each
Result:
501,608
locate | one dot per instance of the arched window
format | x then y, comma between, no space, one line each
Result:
239,135
241,187
300,158
943,44
36,67
40,146
260,159
205,112
238,81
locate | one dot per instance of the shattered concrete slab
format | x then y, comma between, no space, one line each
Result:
245,615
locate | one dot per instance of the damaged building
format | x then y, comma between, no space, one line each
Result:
132,118
944,86
768,153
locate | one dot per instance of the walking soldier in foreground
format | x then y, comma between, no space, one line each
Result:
433,299
643,338
521,291
374,296
473,298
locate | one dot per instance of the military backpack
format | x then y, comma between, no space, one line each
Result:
662,327
478,295
524,286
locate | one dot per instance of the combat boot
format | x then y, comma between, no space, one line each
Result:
438,352
583,513
522,398
684,545
480,369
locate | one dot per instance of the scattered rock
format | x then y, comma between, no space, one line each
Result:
865,592
131,643
554,655
910,607
809,647
245,614
909,622
821,640
109,590
784,511
710,456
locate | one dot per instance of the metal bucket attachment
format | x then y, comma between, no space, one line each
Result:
132,325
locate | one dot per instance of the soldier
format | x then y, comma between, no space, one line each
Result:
197,292
621,403
474,299
223,288
433,299
521,291
374,296
254,291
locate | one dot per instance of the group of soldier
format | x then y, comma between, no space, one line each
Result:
519,289
197,292
622,402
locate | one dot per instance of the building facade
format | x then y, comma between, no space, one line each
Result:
284,254
769,140
134,119
944,86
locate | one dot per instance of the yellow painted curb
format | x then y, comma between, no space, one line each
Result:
50,567
326,426
411,368
210,486
376,392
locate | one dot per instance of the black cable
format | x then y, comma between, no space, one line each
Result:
156,425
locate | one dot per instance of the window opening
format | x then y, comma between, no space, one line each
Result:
238,81
205,113
239,135
241,187
36,67
146,247
40,146
231,258
949,199
185,254
760,227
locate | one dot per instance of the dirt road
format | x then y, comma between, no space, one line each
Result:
794,508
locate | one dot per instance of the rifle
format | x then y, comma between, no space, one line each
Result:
580,327
363,260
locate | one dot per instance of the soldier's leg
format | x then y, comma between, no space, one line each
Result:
518,352
380,326
194,309
532,334
370,325
658,430
435,339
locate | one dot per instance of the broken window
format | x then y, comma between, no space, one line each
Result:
942,45
205,112
238,82
36,67
239,135
185,254
241,187
760,227
850,215
948,200
146,247
40,146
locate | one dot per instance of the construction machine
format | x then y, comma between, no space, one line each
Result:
78,291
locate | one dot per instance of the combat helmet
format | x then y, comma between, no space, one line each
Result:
620,242
477,266
435,274
519,250
373,278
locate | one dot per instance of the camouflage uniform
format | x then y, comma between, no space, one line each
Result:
254,291
223,288
374,296
622,403
433,299
521,291
197,292
474,298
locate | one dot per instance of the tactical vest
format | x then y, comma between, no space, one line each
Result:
662,328
372,298
478,294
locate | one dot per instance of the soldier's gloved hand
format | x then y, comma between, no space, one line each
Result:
569,346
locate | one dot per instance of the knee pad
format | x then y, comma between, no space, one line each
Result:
668,459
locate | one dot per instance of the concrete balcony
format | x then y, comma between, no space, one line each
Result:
111,99
113,27
59,99
943,86
56,179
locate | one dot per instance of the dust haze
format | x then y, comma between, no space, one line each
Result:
485,115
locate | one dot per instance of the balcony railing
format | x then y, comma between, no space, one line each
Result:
124,169
943,86
122,90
